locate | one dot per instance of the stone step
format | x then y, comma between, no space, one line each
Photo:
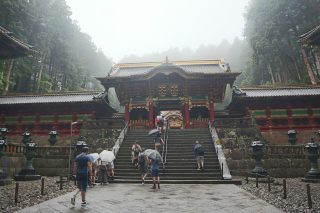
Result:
173,181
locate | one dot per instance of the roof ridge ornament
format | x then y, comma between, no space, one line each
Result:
236,91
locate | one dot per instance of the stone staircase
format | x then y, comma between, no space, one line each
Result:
180,165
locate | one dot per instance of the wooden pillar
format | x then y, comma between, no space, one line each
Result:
93,115
37,129
268,114
74,116
126,112
150,115
310,117
309,69
211,111
290,119
187,115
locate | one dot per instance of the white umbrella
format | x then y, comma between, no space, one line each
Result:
93,157
107,156
153,154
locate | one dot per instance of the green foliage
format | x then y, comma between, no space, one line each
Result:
67,59
272,29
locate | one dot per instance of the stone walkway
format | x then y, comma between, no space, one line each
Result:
170,198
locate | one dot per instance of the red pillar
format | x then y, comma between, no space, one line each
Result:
211,111
150,116
290,120
310,116
126,112
187,115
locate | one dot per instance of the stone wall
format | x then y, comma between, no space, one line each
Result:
275,166
236,136
54,160
12,165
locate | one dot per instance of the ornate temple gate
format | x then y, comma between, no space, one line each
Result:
190,87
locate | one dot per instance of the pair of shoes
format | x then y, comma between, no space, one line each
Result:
142,181
73,200
154,186
198,169
83,203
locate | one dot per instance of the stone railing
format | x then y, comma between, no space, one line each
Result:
138,124
120,139
221,157
199,122
42,152
14,148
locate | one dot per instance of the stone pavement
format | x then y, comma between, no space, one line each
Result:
170,198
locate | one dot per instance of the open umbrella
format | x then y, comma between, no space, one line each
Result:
107,156
153,154
154,131
93,157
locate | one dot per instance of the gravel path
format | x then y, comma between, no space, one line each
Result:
30,193
296,200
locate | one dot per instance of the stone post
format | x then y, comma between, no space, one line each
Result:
53,137
292,136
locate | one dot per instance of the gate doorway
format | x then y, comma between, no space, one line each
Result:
174,118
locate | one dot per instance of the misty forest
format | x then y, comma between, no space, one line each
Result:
68,60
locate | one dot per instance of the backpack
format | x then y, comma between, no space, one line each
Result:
200,150
142,160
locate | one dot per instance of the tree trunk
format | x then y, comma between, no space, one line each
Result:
8,75
271,74
40,72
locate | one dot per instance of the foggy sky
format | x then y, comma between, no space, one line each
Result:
125,27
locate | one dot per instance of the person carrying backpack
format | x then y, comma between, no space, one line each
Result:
199,154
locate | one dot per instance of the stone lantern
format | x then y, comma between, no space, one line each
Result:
26,137
257,153
313,156
28,173
4,131
3,177
2,146
80,144
292,136
53,137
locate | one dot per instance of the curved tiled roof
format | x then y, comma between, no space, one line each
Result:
310,34
11,47
51,98
189,67
284,91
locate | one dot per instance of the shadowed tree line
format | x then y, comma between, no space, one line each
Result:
67,59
